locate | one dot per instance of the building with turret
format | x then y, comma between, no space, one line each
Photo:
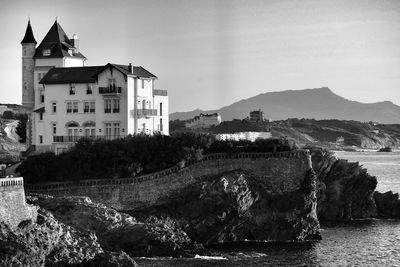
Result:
68,100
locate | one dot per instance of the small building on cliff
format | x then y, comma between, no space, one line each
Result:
67,100
204,121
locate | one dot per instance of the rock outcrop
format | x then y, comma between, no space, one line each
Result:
388,205
119,231
47,240
345,189
239,206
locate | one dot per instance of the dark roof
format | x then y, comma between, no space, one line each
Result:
57,41
71,75
138,71
89,74
29,38
39,110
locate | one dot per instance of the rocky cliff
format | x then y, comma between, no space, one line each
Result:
75,231
346,191
240,206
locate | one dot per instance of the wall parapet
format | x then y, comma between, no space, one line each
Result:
37,188
17,181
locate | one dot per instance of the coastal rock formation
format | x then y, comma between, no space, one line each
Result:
118,231
47,240
388,205
345,189
240,206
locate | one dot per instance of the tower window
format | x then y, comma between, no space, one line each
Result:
72,89
41,97
54,128
41,116
46,52
41,139
54,107
160,109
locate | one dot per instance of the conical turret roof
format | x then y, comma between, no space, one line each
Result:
58,44
28,38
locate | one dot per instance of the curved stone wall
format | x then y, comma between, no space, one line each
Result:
284,170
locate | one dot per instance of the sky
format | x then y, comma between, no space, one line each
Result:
209,54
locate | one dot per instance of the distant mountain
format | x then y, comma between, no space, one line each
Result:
320,103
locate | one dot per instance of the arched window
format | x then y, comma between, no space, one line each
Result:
143,104
90,128
72,131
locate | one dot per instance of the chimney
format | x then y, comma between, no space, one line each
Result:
130,68
75,42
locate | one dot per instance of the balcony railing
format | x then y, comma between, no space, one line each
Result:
146,112
74,139
111,89
160,92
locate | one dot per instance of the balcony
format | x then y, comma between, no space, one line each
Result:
146,112
160,92
111,89
74,139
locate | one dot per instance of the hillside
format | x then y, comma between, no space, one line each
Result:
317,132
320,103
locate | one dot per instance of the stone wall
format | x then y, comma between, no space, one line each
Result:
284,171
13,208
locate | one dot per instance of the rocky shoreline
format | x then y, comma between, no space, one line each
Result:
236,206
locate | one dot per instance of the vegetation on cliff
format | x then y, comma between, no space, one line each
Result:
326,133
139,154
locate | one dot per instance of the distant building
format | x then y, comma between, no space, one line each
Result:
250,136
257,115
340,140
204,121
68,100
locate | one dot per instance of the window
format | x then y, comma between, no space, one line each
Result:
54,105
25,86
75,107
69,107
161,125
116,129
72,89
46,52
89,89
142,83
111,82
41,116
41,139
72,107
107,105
54,128
24,51
108,129
86,106
89,107
90,131
41,97
115,105
92,107
160,109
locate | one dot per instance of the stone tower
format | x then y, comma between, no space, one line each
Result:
28,65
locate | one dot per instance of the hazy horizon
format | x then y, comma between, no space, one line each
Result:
209,54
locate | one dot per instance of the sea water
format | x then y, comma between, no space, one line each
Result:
359,243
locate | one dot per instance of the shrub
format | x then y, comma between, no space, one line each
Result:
134,155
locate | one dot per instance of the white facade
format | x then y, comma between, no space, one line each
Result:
65,111
250,136
204,121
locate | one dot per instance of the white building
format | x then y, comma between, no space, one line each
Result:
70,101
250,136
204,121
